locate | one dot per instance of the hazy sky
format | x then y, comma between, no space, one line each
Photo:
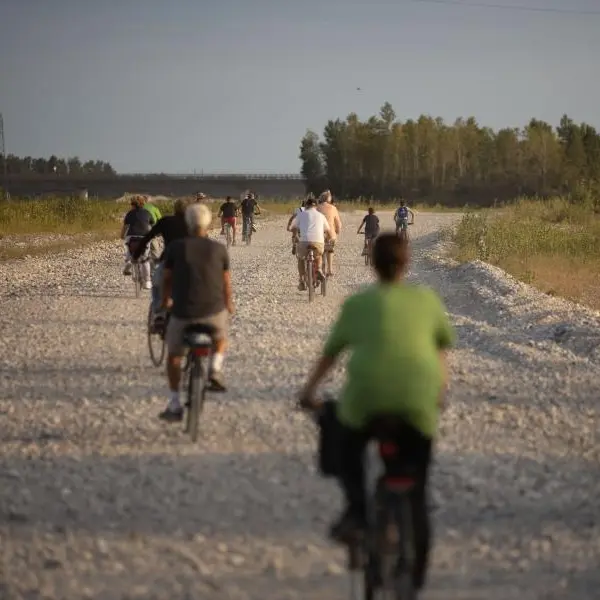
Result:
232,85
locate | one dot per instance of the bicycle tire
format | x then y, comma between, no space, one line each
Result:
155,358
309,280
137,279
196,396
248,232
324,286
228,234
404,584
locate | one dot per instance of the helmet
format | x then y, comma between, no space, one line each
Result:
200,196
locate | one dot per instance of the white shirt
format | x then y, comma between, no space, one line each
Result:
298,210
311,225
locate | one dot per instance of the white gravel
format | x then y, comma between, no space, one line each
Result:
100,500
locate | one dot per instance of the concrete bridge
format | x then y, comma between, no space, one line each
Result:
266,186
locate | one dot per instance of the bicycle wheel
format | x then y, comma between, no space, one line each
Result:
228,234
156,354
404,585
136,275
248,231
196,397
324,286
309,279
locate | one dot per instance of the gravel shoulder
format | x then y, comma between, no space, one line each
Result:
100,500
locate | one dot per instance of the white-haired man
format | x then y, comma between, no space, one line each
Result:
197,288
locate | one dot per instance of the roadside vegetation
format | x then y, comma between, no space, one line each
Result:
553,244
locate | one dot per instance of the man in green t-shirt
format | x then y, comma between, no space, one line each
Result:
398,334
153,210
155,216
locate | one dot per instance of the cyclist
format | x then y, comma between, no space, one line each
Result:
137,223
171,227
401,216
371,225
248,207
197,288
296,212
228,212
313,230
398,334
200,198
332,215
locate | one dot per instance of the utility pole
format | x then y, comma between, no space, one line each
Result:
3,154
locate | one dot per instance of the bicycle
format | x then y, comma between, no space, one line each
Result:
132,243
381,561
312,275
228,234
199,340
248,229
403,230
385,557
367,250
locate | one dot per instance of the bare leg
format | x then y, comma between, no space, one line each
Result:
174,372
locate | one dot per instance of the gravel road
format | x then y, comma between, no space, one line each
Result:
98,499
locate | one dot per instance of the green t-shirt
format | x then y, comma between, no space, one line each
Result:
154,212
394,332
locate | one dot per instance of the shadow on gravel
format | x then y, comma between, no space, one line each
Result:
214,494
242,499
95,383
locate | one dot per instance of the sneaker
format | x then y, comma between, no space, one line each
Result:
171,416
127,269
302,286
217,383
147,285
348,528
320,276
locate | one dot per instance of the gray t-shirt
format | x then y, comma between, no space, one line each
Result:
198,264
371,225
138,221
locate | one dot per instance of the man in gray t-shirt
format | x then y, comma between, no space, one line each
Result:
371,224
197,287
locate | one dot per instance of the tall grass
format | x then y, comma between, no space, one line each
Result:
58,215
553,244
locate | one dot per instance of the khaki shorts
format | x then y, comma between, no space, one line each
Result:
304,246
176,328
330,246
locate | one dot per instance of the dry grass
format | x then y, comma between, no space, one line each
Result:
553,245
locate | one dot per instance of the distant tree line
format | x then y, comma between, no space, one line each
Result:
28,165
384,158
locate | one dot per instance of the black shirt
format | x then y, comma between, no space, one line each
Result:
228,209
139,222
198,264
170,228
371,225
248,205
